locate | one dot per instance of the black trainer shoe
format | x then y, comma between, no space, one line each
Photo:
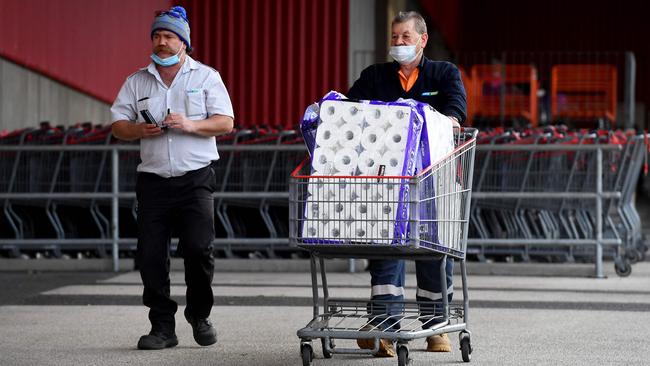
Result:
157,340
203,331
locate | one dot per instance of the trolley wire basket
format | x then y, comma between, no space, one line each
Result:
424,216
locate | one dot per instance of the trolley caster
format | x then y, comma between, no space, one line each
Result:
326,353
402,355
307,354
623,268
465,346
633,255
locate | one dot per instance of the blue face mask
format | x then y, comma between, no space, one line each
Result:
168,61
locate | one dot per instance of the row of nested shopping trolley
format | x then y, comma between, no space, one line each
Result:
536,196
550,194
56,186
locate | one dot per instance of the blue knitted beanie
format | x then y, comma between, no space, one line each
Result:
174,20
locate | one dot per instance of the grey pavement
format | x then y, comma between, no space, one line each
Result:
96,319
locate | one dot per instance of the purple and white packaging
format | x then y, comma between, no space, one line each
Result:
355,139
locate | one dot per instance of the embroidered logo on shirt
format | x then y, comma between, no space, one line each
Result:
192,91
430,93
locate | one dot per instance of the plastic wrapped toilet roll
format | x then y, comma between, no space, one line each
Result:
351,112
324,161
338,230
339,211
379,233
393,162
315,229
330,112
372,138
341,194
369,161
345,161
327,134
395,138
377,116
399,116
349,135
361,190
360,230
441,134
318,211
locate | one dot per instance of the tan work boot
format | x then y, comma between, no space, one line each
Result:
438,343
386,348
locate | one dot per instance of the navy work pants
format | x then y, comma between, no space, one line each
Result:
184,203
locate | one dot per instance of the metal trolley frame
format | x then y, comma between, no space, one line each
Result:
384,217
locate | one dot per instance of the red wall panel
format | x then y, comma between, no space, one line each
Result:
91,46
275,57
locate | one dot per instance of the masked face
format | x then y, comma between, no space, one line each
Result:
164,46
405,54
406,43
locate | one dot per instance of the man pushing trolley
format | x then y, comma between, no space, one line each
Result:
389,180
386,181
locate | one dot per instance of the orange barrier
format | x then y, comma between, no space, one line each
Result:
508,91
583,91
469,91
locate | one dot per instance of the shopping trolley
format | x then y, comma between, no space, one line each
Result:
427,218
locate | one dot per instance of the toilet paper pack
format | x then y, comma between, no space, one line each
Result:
362,139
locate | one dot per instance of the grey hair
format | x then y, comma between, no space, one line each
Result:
405,16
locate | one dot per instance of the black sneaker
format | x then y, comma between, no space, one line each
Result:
157,340
203,331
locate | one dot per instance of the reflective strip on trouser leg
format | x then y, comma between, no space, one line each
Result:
430,288
387,280
428,278
391,290
387,277
433,296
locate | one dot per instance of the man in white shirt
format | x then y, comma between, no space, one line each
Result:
175,107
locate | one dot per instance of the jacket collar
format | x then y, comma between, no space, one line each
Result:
396,64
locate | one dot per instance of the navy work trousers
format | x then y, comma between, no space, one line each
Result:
184,203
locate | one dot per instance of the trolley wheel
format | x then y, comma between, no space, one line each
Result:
623,268
633,255
465,346
307,354
326,353
642,255
402,356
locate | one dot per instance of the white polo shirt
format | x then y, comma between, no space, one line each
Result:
196,92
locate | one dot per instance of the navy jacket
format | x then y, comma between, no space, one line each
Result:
438,84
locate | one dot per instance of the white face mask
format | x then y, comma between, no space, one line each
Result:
404,54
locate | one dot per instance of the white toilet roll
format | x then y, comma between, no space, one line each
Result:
379,233
338,230
369,161
399,115
377,116
315,229
372,138
323,161
361,190
339,211
395,138
330,112
320,190
327,134
318,211
349,135
360,230
393,162
345,161
352,112
441,134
